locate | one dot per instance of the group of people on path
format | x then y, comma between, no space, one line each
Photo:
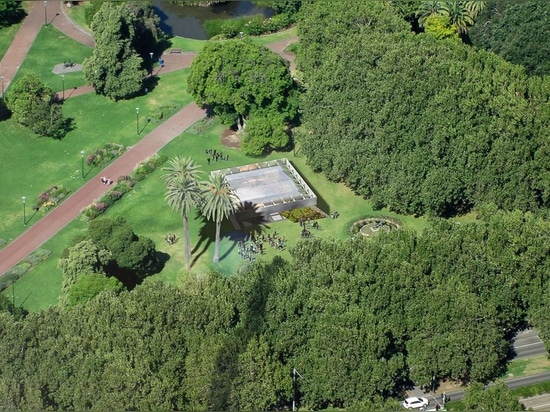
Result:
106,181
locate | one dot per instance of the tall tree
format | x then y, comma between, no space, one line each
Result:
114,69
183,192
238,79
495,398
429,8
459,15
220,201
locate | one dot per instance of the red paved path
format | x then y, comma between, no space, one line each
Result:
59,217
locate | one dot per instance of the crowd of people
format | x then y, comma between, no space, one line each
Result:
213,154
306,224
249,248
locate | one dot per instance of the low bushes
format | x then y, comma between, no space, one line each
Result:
248,25
304,214
51,197
124,185
105,155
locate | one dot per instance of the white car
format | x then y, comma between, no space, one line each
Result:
415,403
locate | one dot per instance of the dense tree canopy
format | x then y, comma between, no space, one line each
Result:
419,124
358,319
516,31
114,69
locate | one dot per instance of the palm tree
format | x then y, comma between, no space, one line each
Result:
474,7
459,16
183,192
220,201
429,8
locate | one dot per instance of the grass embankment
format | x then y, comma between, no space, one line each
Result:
6,36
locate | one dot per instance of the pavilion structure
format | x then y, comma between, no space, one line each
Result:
266,189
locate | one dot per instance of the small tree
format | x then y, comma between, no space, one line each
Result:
32,105
264,134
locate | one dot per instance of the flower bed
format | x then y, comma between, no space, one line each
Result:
105,155
51,197
304,213
123,185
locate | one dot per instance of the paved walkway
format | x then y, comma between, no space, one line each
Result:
21,44
69,209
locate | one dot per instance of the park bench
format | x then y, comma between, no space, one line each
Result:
175,51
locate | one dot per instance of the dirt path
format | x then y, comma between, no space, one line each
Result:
50,224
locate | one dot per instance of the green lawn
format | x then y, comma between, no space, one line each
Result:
51,48
76,14
531,366
274,37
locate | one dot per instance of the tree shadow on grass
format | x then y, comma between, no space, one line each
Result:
207,235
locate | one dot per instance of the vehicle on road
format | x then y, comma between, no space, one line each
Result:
415,403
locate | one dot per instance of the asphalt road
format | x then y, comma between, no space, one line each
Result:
527,344
537,403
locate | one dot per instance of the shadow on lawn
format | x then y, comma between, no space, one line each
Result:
207,234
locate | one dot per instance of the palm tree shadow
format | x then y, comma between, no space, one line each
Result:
206,234
233,235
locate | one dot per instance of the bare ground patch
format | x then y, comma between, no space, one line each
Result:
230,138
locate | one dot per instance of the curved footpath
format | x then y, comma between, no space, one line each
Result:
59,217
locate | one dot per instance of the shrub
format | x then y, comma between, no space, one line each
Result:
51,197
255,26
123,186
249,25
304,213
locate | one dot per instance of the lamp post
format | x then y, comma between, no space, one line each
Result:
151,54
63,81
24,210
2,81
45,13
137,120
82,163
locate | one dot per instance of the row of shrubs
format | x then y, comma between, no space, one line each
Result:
248,25
16,272
51,197
103,156
123,185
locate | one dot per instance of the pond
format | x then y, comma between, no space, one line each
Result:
187,21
